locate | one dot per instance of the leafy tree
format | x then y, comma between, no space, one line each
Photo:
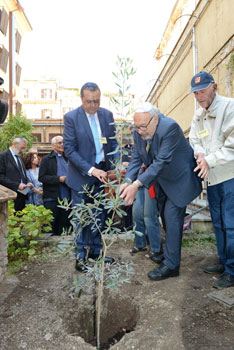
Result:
16,126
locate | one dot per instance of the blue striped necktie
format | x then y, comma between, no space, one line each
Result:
96,139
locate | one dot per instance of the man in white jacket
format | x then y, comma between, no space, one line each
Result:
212,138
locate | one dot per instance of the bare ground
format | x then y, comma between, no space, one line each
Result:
37,311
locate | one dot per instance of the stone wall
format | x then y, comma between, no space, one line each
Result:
5,195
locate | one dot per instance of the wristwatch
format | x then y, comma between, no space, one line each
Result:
137,184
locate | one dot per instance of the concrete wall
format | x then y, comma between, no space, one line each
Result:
208,39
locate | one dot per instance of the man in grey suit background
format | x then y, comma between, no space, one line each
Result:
160,144
88,138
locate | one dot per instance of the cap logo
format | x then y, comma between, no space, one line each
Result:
197,80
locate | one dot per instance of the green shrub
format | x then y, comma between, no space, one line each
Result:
24,229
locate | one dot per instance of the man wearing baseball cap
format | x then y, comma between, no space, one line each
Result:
212,138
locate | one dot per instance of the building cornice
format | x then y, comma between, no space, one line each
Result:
14,6
176,12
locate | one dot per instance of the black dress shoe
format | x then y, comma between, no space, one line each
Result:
218,268
157,257
81,266
108,259
162,272
226,280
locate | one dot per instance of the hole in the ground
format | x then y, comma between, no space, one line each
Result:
119,316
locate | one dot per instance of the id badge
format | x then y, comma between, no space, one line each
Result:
202,133
103,140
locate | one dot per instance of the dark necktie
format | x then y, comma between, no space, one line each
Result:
22,172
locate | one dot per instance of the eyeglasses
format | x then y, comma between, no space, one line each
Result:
59,143
144,127
92,101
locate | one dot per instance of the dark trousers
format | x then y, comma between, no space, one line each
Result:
61,220
20,201
88,241
173,221
221,203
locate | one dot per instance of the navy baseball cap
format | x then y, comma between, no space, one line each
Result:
201,81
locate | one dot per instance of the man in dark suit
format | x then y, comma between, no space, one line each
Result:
52,173
159,143
13,172
88,138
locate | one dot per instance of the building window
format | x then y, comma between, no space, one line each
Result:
18,74
26,93
3,20
67,109
17,41
3,59
53,135
38,137
46,94
46,113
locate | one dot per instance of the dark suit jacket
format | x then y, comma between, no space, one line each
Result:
170,163
10,175
48,176
80,148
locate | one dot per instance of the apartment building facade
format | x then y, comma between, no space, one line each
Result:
199,36
13,25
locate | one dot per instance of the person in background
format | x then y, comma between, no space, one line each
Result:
33,150
127,220
212,138
145,217
13,173
159,143
52,174
31,163
88,139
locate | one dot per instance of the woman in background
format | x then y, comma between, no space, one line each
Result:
31,162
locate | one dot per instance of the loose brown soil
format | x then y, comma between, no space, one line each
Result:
40,312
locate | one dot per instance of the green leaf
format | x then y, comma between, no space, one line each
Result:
31,252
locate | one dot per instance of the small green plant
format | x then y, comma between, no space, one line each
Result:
24,229
199,238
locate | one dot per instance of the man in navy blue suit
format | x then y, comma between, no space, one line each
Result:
160,144
88,138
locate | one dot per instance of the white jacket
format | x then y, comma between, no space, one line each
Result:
212,133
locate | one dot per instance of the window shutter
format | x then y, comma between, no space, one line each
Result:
4,21
4,95
18,107
17,41
4,59
50,93
42,93
18,74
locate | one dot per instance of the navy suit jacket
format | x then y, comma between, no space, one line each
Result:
80,148
170,163
10,175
